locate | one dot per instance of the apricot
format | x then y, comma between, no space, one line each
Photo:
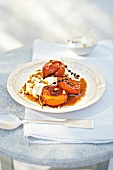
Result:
69,85
53,67
53,95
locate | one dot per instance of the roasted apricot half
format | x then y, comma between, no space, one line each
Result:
53,67
53,95
69,85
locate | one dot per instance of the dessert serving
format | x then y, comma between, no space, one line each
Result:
54,85
47,85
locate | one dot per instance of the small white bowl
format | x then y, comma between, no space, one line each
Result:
82,46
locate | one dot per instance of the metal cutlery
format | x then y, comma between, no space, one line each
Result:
9,121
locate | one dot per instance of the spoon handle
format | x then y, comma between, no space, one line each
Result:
86,32
89,124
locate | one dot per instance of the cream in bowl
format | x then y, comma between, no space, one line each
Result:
82,46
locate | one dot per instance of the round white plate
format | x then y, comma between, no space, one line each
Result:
95,85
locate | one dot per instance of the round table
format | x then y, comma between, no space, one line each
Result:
14,146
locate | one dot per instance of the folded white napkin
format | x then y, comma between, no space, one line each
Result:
101,112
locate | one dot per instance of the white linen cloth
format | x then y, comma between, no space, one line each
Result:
101,112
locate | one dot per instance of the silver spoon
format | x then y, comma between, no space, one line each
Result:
9,121
83,37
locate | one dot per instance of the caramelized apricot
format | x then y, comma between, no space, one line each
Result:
53,67
53,95
71,86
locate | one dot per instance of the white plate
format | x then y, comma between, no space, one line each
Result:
95,85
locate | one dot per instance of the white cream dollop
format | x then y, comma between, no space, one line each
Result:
37,89
36,85
50,80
